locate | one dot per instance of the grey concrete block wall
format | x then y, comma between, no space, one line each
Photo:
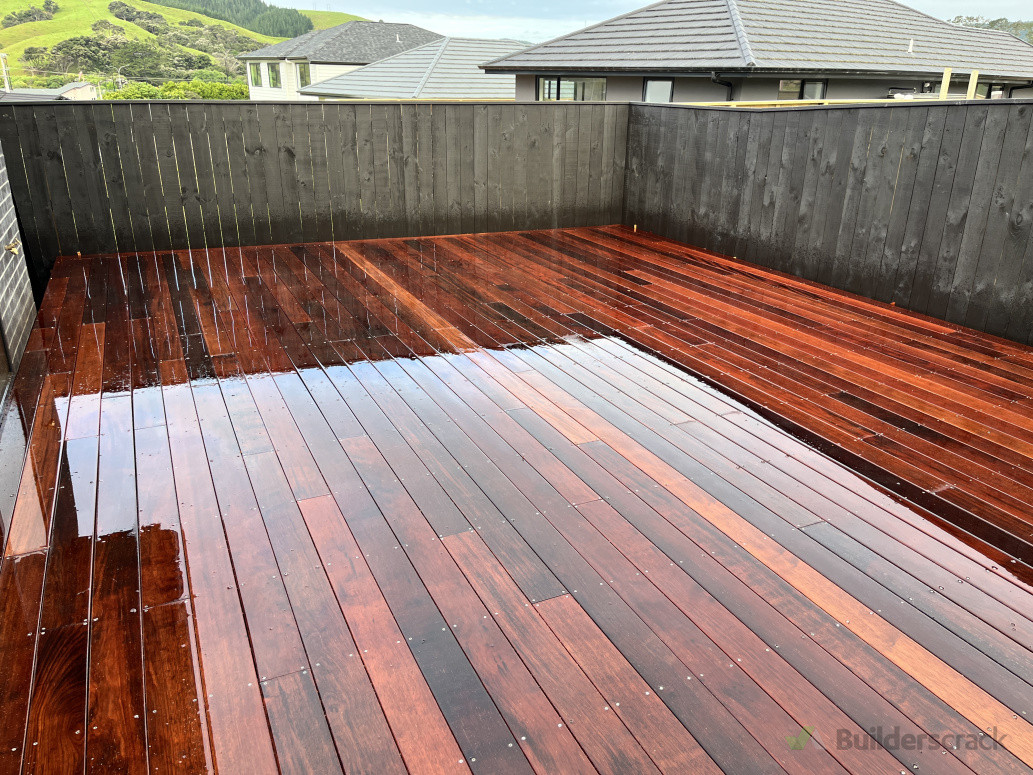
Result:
17,308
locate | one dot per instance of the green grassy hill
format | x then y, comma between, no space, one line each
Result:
75,18
323,20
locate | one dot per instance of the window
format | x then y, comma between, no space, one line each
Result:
658,90
273,68
304,78
813,90
256,74
580,89
789,90
801,90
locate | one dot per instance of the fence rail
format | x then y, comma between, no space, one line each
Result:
101,177
927,206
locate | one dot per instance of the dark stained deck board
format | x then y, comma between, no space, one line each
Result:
650,514
704,478
711,334
453,499
236,717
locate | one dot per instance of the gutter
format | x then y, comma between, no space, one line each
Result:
734,72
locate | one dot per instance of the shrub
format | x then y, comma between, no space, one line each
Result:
104,27
211,76
128,13
181,90
133,91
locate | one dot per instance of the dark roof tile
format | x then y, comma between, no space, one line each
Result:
824,35
352,43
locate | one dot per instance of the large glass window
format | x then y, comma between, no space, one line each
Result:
658,90
256,74
304,77
273,68
579,89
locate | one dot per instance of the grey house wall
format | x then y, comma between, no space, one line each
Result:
926,206
759,88
17,309
526,87
628,88
766,89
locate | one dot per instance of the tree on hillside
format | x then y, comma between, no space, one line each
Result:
82,52
104,27
31,14
204,53
35,58
1020,29
254,15
281,22
138,59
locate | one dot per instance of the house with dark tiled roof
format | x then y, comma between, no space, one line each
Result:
277,72
766,50
444,69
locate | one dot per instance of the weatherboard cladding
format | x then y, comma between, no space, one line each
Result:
816,35
356,43
444,69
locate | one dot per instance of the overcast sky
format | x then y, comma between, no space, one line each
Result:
538,20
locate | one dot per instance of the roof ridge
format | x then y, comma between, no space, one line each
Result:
740,33
430,68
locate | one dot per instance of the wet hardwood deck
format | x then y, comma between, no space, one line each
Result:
450,504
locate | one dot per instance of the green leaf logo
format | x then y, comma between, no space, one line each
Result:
799,742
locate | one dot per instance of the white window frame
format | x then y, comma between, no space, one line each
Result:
274,67
645,89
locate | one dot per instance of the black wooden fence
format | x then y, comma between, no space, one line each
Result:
101,177
929,206
926,206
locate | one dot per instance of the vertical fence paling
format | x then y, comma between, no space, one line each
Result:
105,177
929,207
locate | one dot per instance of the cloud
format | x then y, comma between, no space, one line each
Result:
533,30
946,9
539,20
